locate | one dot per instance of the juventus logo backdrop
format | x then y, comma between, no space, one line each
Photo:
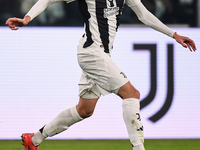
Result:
39,81
152,48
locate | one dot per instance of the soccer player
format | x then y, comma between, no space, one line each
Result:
100,75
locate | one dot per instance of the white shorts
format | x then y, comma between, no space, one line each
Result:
100,74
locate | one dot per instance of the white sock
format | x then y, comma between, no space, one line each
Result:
131,115
59,124
139,147
38,138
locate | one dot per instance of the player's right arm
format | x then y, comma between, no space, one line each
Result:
13,23
38,8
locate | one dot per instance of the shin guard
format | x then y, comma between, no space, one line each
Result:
62,122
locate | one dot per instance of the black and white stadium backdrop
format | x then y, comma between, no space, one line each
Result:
39,74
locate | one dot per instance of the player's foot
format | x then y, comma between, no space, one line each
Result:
27,142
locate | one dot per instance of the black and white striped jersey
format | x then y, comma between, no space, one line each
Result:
101,20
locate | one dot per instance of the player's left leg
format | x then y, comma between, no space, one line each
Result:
131,115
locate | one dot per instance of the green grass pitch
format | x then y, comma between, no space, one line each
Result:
161,144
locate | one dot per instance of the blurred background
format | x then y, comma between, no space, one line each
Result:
181,12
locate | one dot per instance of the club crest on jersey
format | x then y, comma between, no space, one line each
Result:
111,11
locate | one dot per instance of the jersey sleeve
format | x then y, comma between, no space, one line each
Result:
132,3
40,6
148,18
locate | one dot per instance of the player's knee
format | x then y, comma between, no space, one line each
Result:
132,93
136,93
86,107
86,113
129,91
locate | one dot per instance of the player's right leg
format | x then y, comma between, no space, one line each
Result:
61,122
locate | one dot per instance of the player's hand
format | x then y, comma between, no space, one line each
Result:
185,42
14,23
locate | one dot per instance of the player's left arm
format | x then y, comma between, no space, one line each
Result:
150,20
185,42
